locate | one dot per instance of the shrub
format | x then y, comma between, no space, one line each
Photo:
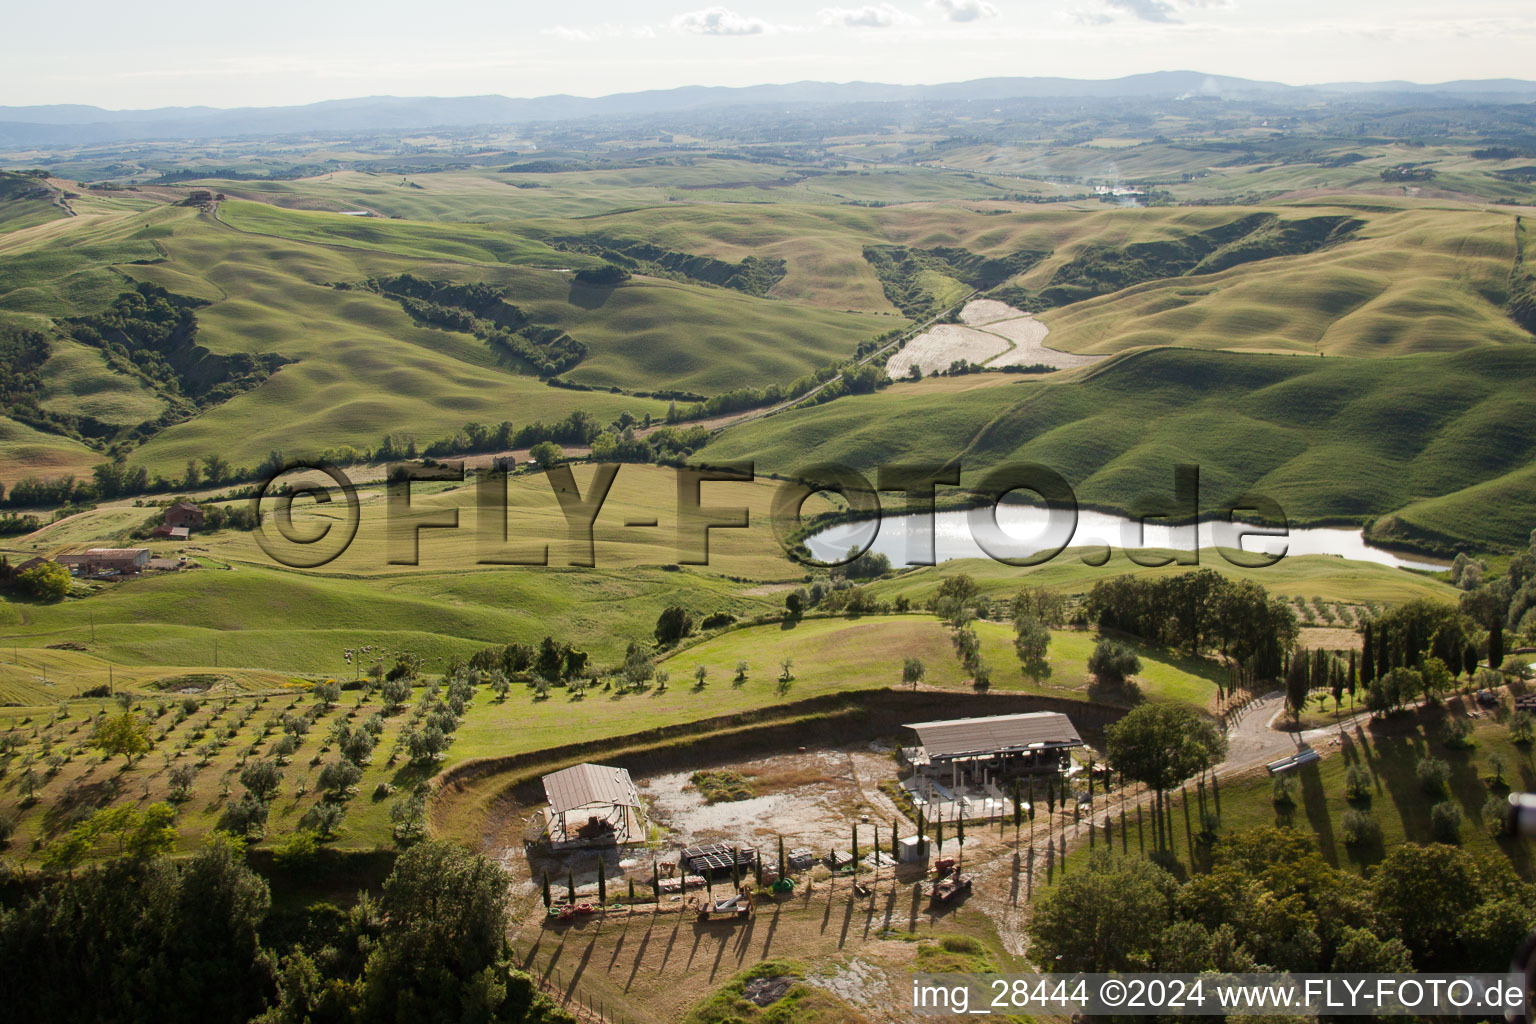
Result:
1456,733
325,818
1358,827
246,817
672,625
1113,662
721,786
1284,791
358,747
47,582
1445,822
297,850
1357,783
339,778
1494,816
1433,774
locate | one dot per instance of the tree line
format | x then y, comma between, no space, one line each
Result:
143,938
1270,902
1199,611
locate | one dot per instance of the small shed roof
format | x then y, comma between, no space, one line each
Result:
961,737
584,784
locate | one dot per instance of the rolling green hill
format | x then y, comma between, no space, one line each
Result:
1340,439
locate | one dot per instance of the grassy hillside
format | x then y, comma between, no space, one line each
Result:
26,451
1332,579
874,648
1403,282
1327,438
291,622
78,381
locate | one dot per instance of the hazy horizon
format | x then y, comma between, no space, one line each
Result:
300,53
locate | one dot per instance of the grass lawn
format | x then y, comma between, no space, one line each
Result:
1389,751
1163,676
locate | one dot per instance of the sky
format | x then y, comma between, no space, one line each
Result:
300,51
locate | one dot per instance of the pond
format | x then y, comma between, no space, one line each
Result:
1023,527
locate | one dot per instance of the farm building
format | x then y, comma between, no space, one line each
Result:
591,804
1001,746
183,513
173,532
95,560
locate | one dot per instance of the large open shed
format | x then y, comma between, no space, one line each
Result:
999,746
592,804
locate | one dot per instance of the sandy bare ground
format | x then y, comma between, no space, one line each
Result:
936,348
980,312
810,799
991,333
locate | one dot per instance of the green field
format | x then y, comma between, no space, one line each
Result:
1329,439
1389,751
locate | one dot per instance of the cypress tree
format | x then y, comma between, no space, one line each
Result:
895,841
1496,645
1350,681
1367,658
547,898
783,866
602,884
656,882
570,885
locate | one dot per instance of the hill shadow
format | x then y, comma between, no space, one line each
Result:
588,296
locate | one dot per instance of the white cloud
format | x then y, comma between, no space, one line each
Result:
1146,10
604,31
869,16
1159,12
720,21
963,10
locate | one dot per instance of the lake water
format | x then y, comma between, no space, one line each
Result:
1023,530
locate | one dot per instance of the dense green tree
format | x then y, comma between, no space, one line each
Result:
1161,745
1108,918
673,624
141,941
122,734
1031,642
262,778
1113,662
49,581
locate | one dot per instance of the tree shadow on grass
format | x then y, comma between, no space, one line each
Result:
1315,801
79,802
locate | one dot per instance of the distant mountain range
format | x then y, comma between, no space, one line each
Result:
71,124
